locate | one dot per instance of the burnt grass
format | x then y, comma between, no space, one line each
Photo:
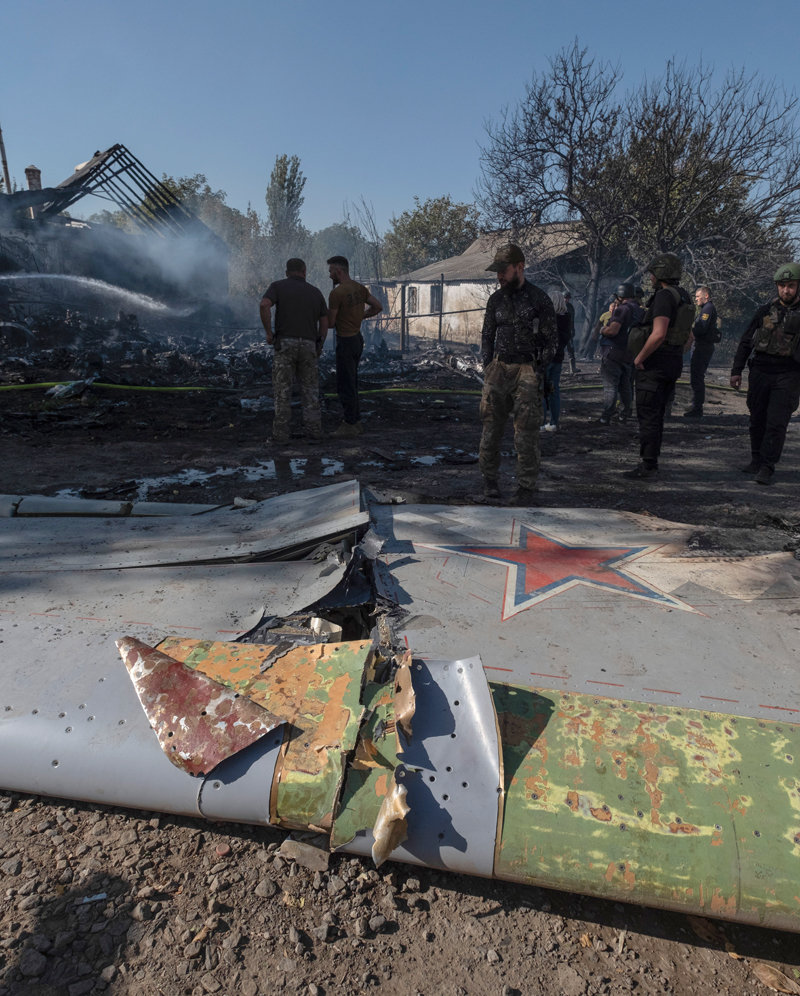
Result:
96,899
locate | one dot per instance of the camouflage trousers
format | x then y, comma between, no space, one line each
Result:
295,360
511,389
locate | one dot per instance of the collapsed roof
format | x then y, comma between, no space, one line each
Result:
116,175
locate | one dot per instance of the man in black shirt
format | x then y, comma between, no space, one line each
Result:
301,325
770,346
659,360
704,333
517,342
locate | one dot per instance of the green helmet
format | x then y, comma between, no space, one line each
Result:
789,271
665,266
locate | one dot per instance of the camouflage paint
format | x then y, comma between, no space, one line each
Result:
315,689
686,810
198,721
370,776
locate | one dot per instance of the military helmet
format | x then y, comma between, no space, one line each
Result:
665,266
789,271
625,291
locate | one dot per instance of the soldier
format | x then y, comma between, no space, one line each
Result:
657,352
770,346
517,342
705,335
616,363
301,325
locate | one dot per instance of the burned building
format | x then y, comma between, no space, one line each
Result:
163,251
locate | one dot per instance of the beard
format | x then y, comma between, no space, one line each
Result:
335,281
513,284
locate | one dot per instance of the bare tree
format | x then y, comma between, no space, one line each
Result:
714,174
365,221
555,158
711,172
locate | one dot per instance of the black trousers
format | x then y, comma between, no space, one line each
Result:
772,397
701,357
348,353
653,387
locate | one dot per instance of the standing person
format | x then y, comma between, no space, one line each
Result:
349,303
770,346
705,335
301,325
599,325
552,372
616,363
571,343
518,340
658,357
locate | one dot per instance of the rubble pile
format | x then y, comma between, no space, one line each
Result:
121,351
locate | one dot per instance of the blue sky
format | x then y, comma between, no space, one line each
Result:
384,100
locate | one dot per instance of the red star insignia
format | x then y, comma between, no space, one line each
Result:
540,567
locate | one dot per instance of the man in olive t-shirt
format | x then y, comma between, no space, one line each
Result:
349,304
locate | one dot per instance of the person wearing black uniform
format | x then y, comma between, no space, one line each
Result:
705,335
770,346
616,363
659,361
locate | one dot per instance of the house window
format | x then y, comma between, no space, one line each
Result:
413,307
436,298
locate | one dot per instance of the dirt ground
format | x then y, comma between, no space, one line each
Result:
102,900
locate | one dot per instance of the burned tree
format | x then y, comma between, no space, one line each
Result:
711,172
556,158
714,174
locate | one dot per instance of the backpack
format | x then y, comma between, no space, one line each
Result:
678,332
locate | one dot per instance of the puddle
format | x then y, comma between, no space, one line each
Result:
263,470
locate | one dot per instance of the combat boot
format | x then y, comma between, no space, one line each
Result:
753,467
491,489
764,476
524,497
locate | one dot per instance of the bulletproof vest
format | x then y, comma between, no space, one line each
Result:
679,330
779,332
634,315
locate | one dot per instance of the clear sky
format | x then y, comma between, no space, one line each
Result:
379,99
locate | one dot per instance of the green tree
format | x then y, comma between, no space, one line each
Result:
435,229
242,232
284,199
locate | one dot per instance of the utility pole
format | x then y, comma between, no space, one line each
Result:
6,177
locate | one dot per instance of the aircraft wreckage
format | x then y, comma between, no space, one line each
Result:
571,698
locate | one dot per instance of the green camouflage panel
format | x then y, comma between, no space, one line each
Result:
295,360
779,332
511,389
369,777
686,810
317,691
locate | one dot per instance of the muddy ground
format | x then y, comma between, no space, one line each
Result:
103,900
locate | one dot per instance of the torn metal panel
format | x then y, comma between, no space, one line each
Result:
696,812
199,722
286,522
595,601
450,769
317,690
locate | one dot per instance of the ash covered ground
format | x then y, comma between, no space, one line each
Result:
103,900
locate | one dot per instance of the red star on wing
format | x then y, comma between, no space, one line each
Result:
540,567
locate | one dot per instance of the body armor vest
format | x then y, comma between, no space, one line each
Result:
779,332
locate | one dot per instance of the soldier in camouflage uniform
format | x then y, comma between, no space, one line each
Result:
770,346
517,342
301,325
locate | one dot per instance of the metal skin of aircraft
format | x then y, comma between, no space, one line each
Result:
570,698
